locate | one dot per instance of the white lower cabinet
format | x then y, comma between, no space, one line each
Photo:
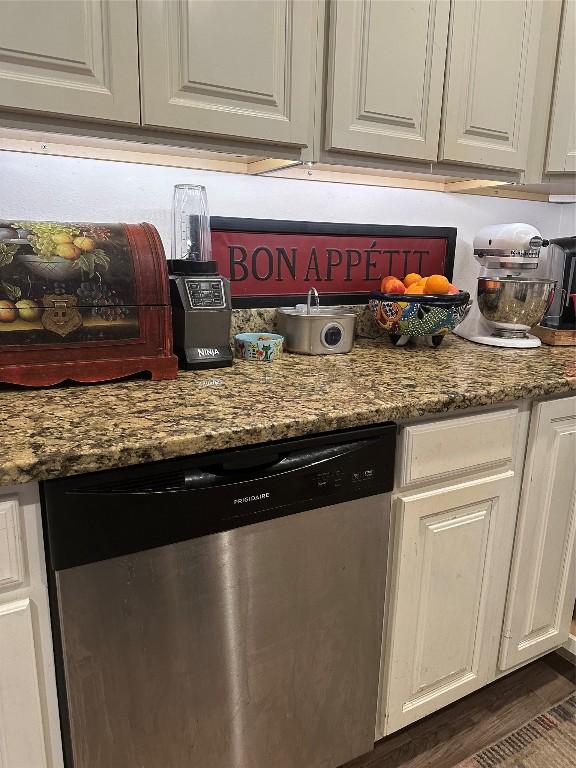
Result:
543,579
22,742
452,553
29,721
482,576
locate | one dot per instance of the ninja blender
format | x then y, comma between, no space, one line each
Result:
200,297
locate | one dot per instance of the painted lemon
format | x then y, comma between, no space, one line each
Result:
28,310
61,237
68,251
84,243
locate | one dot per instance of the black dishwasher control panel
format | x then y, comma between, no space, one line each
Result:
338,478
117,512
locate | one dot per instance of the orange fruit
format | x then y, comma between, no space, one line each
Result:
415,289
412,277
437,285
392,285
453,289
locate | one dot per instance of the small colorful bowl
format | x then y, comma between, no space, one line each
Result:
263,347
404,316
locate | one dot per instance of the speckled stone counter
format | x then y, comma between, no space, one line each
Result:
71,429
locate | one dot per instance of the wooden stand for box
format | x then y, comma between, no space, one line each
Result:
555,337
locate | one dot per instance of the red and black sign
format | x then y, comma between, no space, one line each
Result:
272,263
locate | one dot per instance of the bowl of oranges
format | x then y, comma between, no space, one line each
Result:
429,307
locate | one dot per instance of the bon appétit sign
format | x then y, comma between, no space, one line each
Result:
271,262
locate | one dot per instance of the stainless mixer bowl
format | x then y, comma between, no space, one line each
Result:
512,305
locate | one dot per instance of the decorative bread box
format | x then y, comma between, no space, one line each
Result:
84,302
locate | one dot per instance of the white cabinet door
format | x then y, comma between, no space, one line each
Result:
449,574
70,58
11,554
490,82
234,68
386,71
562,138
543,581
21,732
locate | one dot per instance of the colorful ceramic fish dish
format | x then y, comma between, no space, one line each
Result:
405,316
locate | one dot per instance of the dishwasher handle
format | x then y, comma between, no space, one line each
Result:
242,467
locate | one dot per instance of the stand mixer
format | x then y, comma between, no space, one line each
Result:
511,299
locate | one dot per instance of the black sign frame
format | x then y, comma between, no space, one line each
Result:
279,226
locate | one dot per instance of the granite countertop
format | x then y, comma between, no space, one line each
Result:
47,433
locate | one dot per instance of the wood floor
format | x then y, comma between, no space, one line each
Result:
460,730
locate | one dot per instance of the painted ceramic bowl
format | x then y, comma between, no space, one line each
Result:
403,316
263,347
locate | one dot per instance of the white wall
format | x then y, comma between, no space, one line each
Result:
71,189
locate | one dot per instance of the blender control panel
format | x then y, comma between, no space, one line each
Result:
206,293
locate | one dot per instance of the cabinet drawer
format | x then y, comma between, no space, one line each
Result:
11,558
439,449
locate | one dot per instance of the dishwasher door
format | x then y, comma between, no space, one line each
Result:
252,645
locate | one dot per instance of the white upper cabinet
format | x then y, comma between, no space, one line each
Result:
235,68
543,581
77,59
562,139
490,82
385,76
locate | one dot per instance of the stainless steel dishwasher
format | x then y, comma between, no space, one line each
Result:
224,610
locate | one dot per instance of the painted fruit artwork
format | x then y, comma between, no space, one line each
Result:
65,282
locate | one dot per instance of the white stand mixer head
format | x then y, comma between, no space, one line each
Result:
508,246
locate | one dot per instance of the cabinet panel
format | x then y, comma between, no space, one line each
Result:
490,82
11,557
238,68
22,737
462,536
562,139
471,443
449,581
78,59
386,70
543,583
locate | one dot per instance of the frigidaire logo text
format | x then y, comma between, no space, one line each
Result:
207,352
257,497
